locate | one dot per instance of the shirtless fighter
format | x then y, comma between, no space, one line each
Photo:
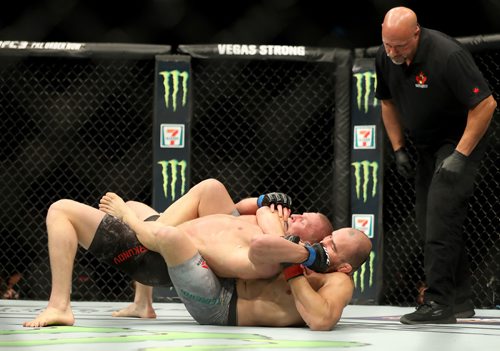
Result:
316,299
210,196
70,223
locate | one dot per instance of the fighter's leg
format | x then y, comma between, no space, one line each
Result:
68,223
205,198
142,307
141,210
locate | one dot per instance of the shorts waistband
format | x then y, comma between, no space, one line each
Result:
152,218
232,318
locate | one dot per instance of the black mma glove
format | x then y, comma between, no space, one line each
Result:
276,199
403,164
318,259
455,163
294,239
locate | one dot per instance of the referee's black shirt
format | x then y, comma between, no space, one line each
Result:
434,93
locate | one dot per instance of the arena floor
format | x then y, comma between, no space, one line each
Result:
364,328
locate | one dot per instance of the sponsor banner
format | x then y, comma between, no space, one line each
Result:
172,113
171,135
365,179
174,178
366,176
364,222
365,82
364,280
260,50
20,45
364,137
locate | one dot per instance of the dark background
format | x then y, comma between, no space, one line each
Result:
329,23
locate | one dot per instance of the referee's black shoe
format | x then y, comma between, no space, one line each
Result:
464,309
430,312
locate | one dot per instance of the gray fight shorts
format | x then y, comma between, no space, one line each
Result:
208,299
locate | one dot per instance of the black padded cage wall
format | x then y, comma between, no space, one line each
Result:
76,121
403,255
274,123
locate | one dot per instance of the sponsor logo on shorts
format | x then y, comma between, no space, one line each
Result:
125,255
175,84
202,299
202,263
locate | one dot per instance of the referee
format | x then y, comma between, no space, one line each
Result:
430,86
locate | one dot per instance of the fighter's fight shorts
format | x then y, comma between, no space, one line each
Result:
116,244
208,298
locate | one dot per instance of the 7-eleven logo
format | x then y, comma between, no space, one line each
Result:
364,137
172,136
364,222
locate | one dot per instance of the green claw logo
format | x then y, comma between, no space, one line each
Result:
173,81
173,167
365,97
362,175
166,340
360,275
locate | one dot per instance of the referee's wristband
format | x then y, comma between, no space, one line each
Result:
312,256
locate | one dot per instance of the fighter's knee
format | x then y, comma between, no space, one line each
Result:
212,184
57,209
166,236
58,206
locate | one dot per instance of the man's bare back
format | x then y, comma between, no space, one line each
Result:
270,302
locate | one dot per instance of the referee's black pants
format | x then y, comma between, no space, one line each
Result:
441,208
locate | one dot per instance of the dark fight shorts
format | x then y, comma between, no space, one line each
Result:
116,244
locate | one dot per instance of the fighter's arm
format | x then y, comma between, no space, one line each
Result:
271,249
322,309
247,206
270,222
279,202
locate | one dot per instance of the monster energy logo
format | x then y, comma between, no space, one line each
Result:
164,339
360,275
362,174
172,80
364,83
171,182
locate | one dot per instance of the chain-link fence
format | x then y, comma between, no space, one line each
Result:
265,125
71,128
403,256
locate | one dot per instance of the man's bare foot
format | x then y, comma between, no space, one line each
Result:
134,310
114,205
52,316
